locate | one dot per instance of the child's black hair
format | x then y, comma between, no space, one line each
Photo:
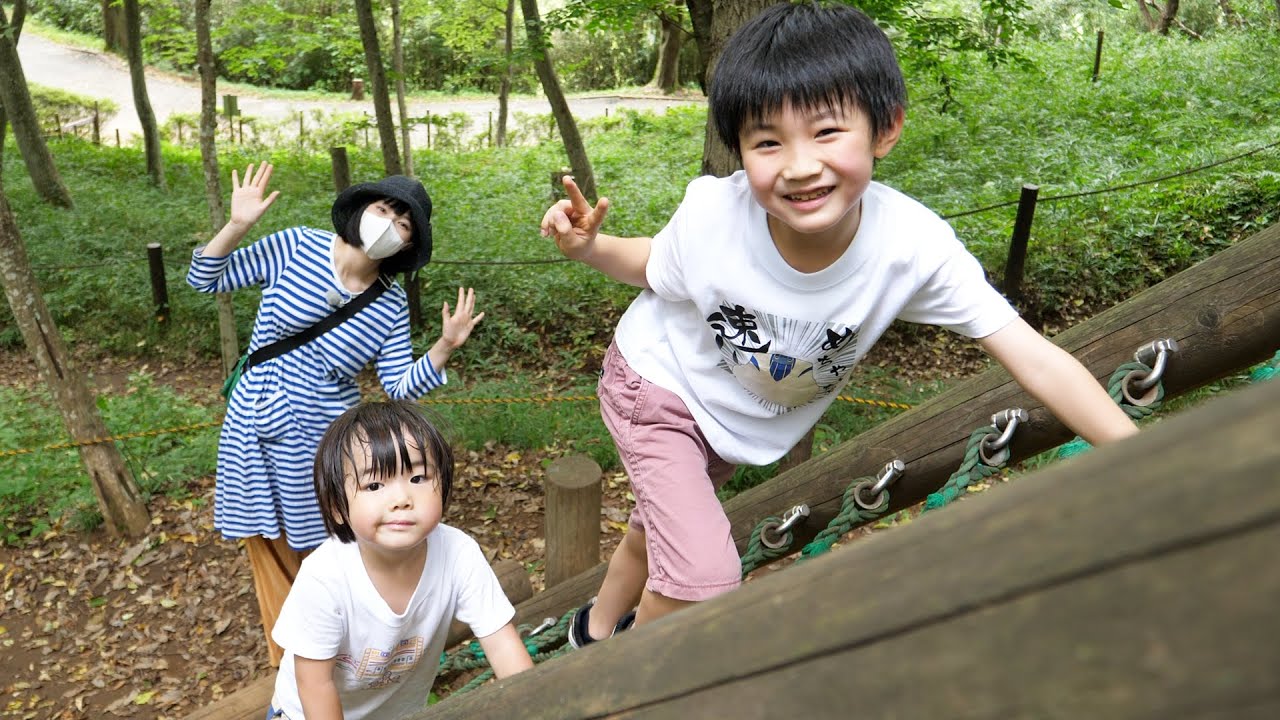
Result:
395,264
811,57
392,430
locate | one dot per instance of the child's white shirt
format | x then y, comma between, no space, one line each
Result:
758,350
386,662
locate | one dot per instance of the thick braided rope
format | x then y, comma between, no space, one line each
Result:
1267,370
851,514
971,469
1115,388
758,553
471,656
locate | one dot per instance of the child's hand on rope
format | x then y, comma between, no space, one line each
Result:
247,202
573,223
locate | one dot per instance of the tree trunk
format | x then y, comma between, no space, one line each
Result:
725,19
114,36
397,65
19,16
118,495
666,75
1167,16
16,101
378,82
504,91
138,78
568,127
700,12
229,343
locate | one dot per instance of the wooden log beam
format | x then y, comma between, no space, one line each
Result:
1224,312
1137,581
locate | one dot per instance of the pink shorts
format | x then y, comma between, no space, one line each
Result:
674,475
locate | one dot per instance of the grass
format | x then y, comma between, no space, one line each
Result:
1172,105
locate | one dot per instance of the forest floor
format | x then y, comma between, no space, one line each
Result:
94,626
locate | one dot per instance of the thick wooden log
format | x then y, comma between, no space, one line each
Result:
1136,581
1224,312
250,702
572,517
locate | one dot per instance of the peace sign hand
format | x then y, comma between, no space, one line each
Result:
247,203
573,223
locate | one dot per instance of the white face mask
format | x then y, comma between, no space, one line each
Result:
378,236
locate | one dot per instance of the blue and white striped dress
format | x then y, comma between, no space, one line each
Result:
279,409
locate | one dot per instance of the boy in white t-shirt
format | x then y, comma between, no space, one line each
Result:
766,288
366,620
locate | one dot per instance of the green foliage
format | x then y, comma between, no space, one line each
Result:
49,102
83,16
53,481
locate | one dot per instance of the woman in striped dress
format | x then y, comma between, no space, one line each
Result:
280,408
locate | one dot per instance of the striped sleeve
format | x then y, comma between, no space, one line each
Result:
401,376
258,264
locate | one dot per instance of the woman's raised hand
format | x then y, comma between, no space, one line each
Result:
456,326
247,202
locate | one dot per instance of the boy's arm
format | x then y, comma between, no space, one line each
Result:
1052,376
316,689
506,652
575,226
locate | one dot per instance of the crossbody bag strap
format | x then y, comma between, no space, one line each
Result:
329,322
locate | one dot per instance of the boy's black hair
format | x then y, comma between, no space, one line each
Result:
392,430
812,57
351,235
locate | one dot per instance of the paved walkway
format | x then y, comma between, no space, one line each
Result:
98,74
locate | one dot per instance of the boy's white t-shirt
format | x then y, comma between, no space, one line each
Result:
758,350
386,662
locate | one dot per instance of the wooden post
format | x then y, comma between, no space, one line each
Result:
357,89
178,123
1097,58
413,298
117,137
97,137
1012,285
57,121
572,517
557,183
240,122
341,169
302,130
428,129
489,135
159,290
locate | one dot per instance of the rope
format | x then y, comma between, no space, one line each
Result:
1267,370
548,644
851,514
759,554
973,468
1115,388
111,438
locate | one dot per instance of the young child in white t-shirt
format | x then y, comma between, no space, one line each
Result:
766,288
366,620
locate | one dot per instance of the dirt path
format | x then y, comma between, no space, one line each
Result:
103,75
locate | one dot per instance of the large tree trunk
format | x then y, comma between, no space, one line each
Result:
19,15
504,90
16,101
378,82
726,17
229,343
666,75
115,38
700,12
1168,14
118,495
568,127
397,65
138,78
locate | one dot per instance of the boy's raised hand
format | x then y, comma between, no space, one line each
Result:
573,223
247,202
